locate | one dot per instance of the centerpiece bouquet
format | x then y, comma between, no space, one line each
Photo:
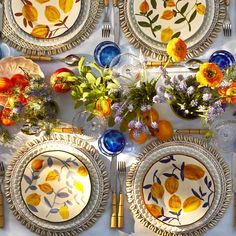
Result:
26,98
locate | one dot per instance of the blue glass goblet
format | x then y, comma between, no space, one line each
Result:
112,142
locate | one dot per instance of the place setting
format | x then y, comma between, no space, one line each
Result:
121,119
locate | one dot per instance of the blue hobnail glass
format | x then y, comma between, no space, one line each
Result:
105,52
112,142
222,58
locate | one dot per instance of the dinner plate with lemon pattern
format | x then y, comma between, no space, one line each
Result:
57,184
179,187
150,24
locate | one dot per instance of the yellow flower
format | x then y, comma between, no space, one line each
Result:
66,5
46,188
228,93
79,186
201,9
176,49
37,164
40,31
52,175
155,210
170,3
30,13
157,191
167,15
166,34
144,7
82,171
209,75
191,204
64,212
33,199
52,14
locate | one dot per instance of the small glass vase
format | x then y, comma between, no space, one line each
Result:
180,113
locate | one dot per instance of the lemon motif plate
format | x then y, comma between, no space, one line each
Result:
57,185
44,27
181,187
150,24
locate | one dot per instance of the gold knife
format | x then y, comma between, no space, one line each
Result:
113,176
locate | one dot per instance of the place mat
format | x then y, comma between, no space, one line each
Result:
180,187
150,24
41,40
57,185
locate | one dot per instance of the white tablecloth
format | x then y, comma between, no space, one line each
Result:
132,226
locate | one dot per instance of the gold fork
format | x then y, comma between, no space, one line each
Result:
122,177
2,173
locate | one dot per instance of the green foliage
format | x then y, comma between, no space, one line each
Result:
91,84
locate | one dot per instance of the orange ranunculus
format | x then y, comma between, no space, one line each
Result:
170,3
103,107
201,9
176,49
209,75
166,34
167,15
228,93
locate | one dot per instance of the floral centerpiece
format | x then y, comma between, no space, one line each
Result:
93,88
134,111
26,98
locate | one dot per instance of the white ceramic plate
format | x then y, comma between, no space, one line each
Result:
57,185
179,187
150,24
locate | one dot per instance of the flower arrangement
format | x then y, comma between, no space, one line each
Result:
93,88
134,111
26,98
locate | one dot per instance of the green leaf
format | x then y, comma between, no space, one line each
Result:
78,104
184,8
156,28
91,116
112,85
149,13
70,78
154,4
91,79
155,18
96,66
179,20
144,24
192,17
81,64
98,81
111,121
85,94
176,35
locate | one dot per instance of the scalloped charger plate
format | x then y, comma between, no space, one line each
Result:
179,187
57,185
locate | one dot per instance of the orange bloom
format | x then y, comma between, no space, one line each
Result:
201,9
167,15
229,93
144,7
209,75
176,49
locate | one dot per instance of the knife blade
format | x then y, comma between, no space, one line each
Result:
113,176
116,22
234,185
1,18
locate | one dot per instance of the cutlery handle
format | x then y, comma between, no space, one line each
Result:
38,58
67,130
114,211
1,211
192,131
106,2
121,211
157,64
235,210
115,3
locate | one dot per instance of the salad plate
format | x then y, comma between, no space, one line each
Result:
150,24
181,187
45,27
57,185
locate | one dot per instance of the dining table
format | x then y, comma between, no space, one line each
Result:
131,225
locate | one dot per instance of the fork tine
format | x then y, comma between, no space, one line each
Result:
1,166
